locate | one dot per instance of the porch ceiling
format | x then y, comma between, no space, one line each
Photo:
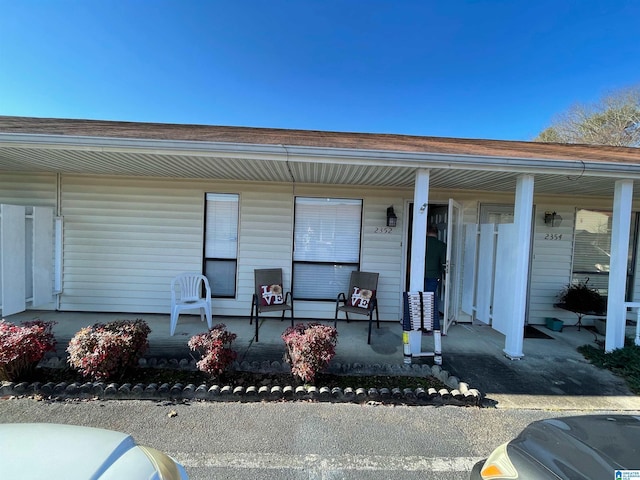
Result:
262,167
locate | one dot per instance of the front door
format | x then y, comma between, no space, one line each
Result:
448,218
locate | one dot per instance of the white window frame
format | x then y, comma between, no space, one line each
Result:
600,279
220,249
327,244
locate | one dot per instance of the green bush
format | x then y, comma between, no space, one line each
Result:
104,351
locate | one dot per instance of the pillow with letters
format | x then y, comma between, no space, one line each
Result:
271,295
361,297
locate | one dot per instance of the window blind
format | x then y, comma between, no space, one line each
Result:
326,246
221,226
327,230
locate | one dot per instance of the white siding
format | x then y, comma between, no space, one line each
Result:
551,265
28,189
266,241
125,239
382,252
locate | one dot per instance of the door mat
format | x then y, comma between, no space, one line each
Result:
533,332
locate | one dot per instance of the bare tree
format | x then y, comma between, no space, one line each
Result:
613,120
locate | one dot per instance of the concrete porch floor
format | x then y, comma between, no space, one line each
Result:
551,375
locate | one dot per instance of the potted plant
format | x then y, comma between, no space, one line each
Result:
582,300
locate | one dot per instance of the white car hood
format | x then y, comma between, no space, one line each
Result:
36,451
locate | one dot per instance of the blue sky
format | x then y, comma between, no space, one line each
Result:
474,69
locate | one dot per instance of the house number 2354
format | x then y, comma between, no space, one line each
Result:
553,236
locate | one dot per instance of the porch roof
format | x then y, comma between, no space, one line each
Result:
278,155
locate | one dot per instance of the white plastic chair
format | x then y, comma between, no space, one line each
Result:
186,294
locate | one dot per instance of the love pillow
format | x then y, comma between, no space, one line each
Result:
271,295
361,297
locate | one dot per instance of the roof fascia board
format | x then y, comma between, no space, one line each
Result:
129,145
475,162
322,155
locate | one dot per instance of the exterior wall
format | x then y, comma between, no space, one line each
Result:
551,268
551,263
381,248
265,241
28,189
125,238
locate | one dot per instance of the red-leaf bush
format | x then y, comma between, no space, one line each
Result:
107,350
215,349
23,346
310,348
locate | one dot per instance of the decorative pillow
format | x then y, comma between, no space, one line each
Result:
361,297
271,295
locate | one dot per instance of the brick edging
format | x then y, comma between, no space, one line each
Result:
458,393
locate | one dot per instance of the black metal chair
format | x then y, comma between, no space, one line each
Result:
268,295
360,299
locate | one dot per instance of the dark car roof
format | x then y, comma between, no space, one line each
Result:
593,446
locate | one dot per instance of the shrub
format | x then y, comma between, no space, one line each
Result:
310,348
23,346
214,348
107,350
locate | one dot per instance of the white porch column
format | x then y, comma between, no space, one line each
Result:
419,233
418,245
620,228
523,212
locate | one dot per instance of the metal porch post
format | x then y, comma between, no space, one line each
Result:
620,229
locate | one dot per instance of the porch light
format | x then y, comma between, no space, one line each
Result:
552,219
392,219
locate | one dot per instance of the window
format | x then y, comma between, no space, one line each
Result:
592,249
495,213
221,243
326,246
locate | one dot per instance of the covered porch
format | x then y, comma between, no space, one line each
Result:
128,179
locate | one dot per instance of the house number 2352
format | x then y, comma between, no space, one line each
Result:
553,236
384,230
